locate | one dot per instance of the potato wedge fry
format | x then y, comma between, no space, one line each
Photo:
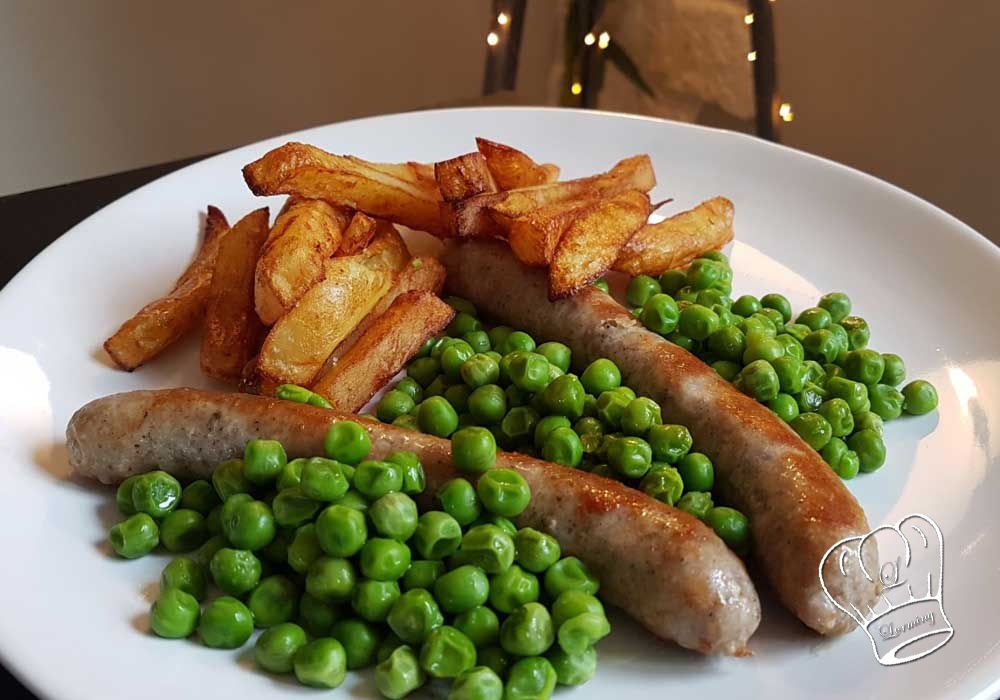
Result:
676,241
463,177
383,350
301,340
591,243
302,238
512,168
164,321
387,249
421,275
232,329
307,171
533,237
358,234
493,214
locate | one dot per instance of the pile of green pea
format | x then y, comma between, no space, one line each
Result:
498,387
816,373
332,558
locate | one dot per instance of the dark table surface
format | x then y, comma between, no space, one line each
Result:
35,219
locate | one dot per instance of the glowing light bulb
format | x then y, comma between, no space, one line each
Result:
748,18
492,39
589,39
603,40
502,19
752,56
785,112
576,88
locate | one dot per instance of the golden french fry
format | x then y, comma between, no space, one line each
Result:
421,275
387,249
533,237
493,214
512,168
301,340
463,177
307,171
383,349
676,241
232,329
164,321
358,234
307,233
591,243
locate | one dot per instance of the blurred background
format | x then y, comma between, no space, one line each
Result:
897,88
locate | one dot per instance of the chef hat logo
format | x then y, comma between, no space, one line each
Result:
906,561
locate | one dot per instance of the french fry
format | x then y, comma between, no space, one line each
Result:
164,321
232,329
676,241
301,340
591,243
307,171
307,233
387,249
493,214
512,168
383,349
421,275
463,177
358,234
533,237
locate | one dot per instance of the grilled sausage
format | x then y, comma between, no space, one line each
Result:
663,567
797,507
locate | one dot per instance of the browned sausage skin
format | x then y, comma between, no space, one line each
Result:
663,567
797,506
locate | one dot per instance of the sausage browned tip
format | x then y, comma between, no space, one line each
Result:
661,566
797,506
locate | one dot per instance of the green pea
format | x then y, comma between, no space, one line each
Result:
527,631
774,316
867,420
304,548
660,314
813,428
447,653
203,555
436,388
870,449
437,417
639,416
704,273
373,600
325,479
822,345
478,340
226,623
518,340
263,461
588,425
779,303
360,640
183,530
453,357
810,398
793,348
841,459
697,472
630,456
664,483
423,370
894,369
672,280
837,304
479,683
557,354
865,366
437,535
530,371
762,348
480,370
462,589
854,393
512,589
299,394
235,571
920,397
696,503
185,575
463,323
317,615
563,446
728,343
394,404
601,375
503,492
730,525
134,537
198,496
746,306
569,574
564,396
669,443
480,624
712,298
838,414
858,332
341,531
571,603
758,325
815,317
546,425
640,289
573,669
790,374
759,380
376,479
276,647
414,616
496,659
530,679
488,404
886,401
784,406
610,407
798,331
384,559
156,494
536,551
459,500
422,574
174,615
579,633
273,601
347,442
399,674
293,508
332,580
249,525
473,450
461,305
698,322
484,546
843,340
291,475
412,388
321,663
407,422
123,496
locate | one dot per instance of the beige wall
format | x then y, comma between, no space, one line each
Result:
903,89
98,86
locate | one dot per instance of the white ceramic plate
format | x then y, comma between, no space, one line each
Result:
72,616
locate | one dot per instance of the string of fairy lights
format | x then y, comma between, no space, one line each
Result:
603,40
